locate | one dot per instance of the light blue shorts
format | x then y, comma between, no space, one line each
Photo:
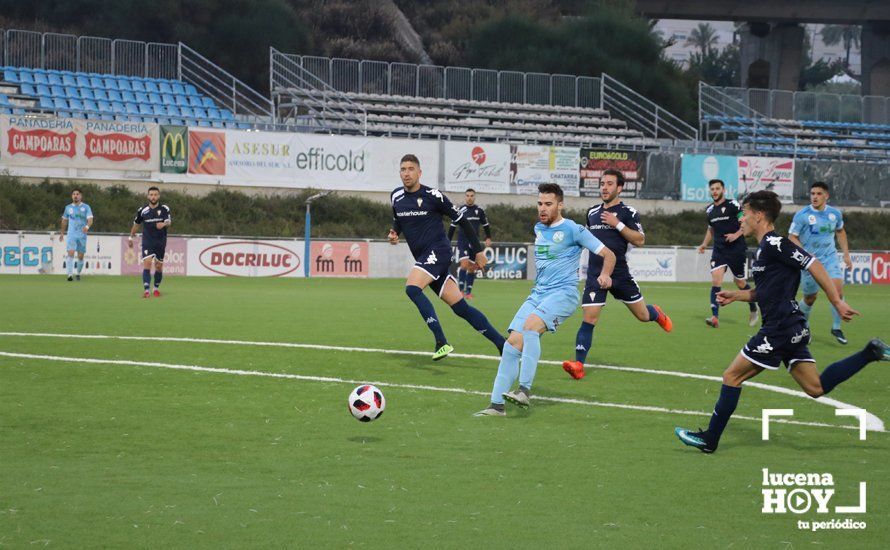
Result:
77,244
808,284
553,308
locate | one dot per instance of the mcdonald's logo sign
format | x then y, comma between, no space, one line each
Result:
174,149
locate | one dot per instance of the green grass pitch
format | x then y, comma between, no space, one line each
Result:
118,455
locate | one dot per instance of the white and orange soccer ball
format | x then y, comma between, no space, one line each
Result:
366,403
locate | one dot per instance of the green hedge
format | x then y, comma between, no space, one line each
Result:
39,207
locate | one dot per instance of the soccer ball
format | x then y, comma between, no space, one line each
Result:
366,403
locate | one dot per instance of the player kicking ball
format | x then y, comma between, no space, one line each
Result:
784,335
558,244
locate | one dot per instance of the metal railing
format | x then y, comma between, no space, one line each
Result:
439,82
298,93
818,106
642,113
715,102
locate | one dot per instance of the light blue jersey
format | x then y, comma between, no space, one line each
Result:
77,216
558,254
816,230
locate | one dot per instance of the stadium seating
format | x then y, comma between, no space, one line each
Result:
804,138
407,116
109,97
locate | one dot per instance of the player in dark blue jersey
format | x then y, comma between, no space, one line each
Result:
616,225
729,248
473,213
417,213
154,218
784,336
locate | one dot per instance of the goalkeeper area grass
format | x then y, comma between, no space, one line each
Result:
216,416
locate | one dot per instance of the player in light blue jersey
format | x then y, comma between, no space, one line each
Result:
76,221
558,244
814,228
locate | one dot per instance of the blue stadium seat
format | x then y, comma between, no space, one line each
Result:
132,108
28,89
177,121
145,109
86,93
178,88
10,75
227,114
173,110
55,79
90,105
124,84
4,101
46,103
182,101
214,114
106,116
75,104
187,112
191,90
56,91
110,83
164,88
118,108
41,78
64,114
26,76
155,98
114,95
60,103
83,81
200,113
137,85
69,80
195,101
141,97
151,86
6,110
128,96
72,92
104,106
204,123
159,110
217,124
207,102
96,82
168,99
100,94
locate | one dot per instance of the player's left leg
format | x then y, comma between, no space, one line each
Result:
508,368
737,267
706,441
418,279
451,295
716,282
809,287
159,274
804,370
835,316
69,264
650,313
146,274
79,266
532,329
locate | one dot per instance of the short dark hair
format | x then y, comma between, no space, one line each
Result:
821,185
77,189
470,190
716,180
617,173
764,201
551,188
410,158
153,188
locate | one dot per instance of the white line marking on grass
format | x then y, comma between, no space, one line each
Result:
288,376
873,423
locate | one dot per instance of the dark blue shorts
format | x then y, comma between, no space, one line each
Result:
733,259
463,250
624,288
436,263
770,348
153,248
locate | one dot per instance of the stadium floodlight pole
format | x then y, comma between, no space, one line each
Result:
308,225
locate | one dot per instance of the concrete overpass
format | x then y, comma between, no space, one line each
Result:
772,38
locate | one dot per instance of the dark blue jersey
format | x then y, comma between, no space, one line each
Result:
418,216
723,219
476,216
611,237
149,216
777,266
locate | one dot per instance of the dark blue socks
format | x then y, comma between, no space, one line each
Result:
426,311
462,280
158,276
583,340
471,278
479,322
726,404
715,308
653,313
146,278
751,305
839,371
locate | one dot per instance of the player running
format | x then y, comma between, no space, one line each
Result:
616,225
76,222
729,248
784,336
558,244
417,212
814,228
154,219
473,213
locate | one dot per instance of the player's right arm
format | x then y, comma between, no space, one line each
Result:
451,231
64,228
795,228
137,221
821,276
586,239
706,241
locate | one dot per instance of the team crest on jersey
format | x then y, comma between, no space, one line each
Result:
775,241
419,202
559,236
812,219
832,217
722,209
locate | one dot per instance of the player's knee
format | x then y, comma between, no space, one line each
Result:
515,340
730,378
814,390
809,299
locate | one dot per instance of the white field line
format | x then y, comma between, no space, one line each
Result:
873,423
288,376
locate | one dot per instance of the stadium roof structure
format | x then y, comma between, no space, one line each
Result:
801,11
